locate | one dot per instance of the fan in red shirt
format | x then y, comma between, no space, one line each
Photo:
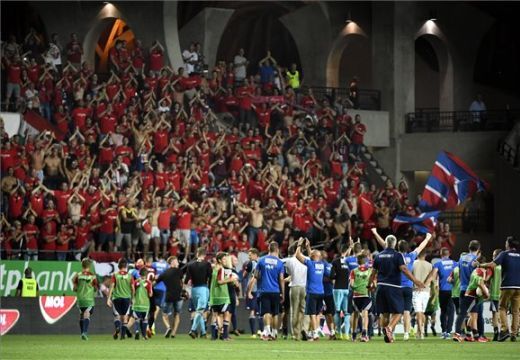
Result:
32,233
358,134
156,57
48,238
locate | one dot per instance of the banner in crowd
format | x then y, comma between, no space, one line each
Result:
53,277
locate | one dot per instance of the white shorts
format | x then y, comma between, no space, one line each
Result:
155,232
420,300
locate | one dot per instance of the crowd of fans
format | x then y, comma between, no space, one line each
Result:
150,159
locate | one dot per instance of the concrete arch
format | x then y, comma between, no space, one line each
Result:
350,32
433,34
90,41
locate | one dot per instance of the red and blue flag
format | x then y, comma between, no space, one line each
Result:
422,224
451,182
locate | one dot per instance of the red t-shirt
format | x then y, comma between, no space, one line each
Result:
31,232
48,235
163,220
61,200
357,138
15,205
108,124
184,220
156,60
79,115
108,222
82,234
14,73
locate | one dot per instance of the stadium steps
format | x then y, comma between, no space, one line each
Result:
375,173
41,124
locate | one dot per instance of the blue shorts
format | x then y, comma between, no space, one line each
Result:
89,309
407,298
313,304
172,307
362,303
121,306
199,298
158,297
140,315
389,300
330,308
269,303
220,309
252,304
471,304
341,300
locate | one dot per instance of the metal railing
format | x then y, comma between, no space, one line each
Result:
368,99
467,221
453,121
509,153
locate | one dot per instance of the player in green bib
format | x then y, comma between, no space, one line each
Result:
119,298
361,301
430,313
474,297
85,286
142,290
219,299
455,290
494,295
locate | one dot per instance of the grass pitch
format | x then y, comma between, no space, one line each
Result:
243,348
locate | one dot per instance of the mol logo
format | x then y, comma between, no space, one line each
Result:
8,319
54,308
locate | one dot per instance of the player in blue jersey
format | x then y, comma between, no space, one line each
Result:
328,297
252,304
340,274
443,269
269,278
159,292
357,249
406,284
314,288
509,260
467,263
388,266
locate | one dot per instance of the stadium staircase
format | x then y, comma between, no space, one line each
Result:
41,124
375,173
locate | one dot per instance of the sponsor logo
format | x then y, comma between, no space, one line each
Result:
8,319
54,308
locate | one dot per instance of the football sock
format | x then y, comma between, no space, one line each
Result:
86,323
144,325
252,324
261,323
225,333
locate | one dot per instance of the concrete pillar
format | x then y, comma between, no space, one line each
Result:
312,39
393,66
171,33
206,28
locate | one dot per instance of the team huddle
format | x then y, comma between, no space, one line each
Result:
354,295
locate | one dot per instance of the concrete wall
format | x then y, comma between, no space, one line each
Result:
477,149
378,127
313,45
507,197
